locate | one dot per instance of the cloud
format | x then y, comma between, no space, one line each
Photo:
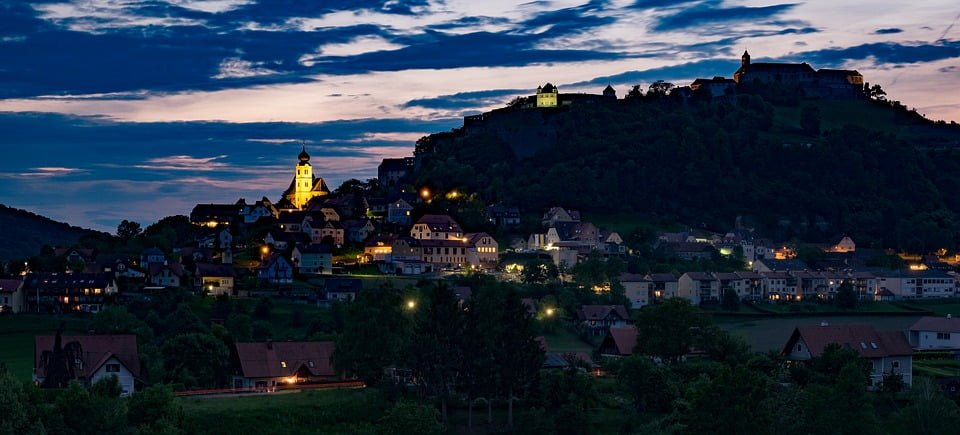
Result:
882,53
703,68
710,13
233,68
464,100
887,31
185,163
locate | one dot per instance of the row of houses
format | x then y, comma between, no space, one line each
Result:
261,366
567,238
789,285
435,242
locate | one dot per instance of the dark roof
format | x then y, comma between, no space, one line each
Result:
272,259
784,265
662,277
385,239
205,212
67,280
689,247
157,268
214,269
777,67
267,359
9,285
937,324
633,277
864,339
97,349
392,165
314,248
440,222
597,312
701,276
549,87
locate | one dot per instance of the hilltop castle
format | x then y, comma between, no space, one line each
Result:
823,82
304,186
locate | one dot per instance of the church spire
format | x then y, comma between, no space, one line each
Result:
745,59
304,157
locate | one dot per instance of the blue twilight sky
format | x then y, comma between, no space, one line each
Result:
113,109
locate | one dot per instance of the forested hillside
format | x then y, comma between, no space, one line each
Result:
22,233
806,169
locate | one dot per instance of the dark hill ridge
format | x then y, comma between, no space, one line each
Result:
871,169
23,233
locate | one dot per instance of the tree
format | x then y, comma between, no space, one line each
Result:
669,329
128,229
263,309
659,88
116,320
635,93
730,301
373,337
928,413
17,409
538,272
647,383
810,120
98,410
517,353
846,296
710,409
410,418
197,360
434,350
152,405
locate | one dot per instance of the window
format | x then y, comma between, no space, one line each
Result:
799,347
113,368
943,336
896,364
283,364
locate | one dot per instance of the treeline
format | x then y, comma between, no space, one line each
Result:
22,233
703,163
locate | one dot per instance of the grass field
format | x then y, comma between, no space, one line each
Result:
563,340
938,308
16,338
314,412
936,367
868,307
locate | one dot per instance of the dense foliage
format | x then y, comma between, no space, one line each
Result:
878,173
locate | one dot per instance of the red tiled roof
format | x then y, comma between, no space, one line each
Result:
937,324
625,339
267,359
866,340
97,349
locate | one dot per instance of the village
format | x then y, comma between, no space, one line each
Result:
284,289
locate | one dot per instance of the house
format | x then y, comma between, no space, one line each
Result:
917,284
398,212
11,296
329,232
436,227
559,214
714,88
313,259
264,366
291,222
275,269
439,253
887,351
747,285
120,266
358,230
214,278
619,342
379,247
503,216
212,215
66,292
482,253
152,255
283,240
637,288
165,274
699,287
665,286
599,318
95,357
845,244
935,333
259,210
342,289
780,286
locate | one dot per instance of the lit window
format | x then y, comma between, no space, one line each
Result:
283,364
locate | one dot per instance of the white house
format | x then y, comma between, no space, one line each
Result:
265,366
888,351
665,285
313,259
11,295
917,284
436,227
638,289
216,279
100,356
166,274
699,287
935,333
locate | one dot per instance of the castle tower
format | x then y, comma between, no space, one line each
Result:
547,95
745,59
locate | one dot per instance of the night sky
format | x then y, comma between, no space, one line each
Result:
124,109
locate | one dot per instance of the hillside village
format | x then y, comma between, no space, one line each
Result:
594,278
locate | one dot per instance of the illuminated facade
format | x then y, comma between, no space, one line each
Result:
304,186
547,95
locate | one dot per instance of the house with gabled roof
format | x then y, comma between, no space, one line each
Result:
888,351
436,227
665,285
313,259
11,296
699,287
935,333
619,342
165,274
275,269
637,288
599,318
215,278
97,357
264,366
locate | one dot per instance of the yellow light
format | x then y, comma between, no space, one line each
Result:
549,311
265,250
424,193
411,304
291,380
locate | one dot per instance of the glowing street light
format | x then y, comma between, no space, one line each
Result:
411,304
424,193
550,312
265,250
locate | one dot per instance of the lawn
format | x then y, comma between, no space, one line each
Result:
563,340
316,412
16,338
940,308
936,367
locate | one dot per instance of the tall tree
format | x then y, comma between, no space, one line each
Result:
128,229
373,337
434,350
669,329
517,353
197,360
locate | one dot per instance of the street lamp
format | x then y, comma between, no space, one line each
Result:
549,312
424,193
411,304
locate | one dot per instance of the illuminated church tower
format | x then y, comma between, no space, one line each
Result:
304,186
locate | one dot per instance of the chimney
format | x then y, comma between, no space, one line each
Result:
270,344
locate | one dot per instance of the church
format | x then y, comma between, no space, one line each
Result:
304,187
